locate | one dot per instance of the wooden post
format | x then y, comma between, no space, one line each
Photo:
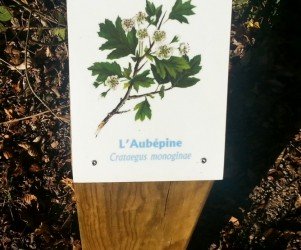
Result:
125,216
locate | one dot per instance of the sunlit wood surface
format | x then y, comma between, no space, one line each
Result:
126,216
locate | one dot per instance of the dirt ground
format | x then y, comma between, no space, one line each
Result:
37,204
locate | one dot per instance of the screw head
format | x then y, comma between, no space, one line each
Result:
204,160
94,162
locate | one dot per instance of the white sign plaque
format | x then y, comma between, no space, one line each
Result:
148,90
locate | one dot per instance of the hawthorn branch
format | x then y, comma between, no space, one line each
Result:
126,96
115,110
147,94
128,92
159,27
123,112
142,66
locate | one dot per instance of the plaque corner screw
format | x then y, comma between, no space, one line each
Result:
204,160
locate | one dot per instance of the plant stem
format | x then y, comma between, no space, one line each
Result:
127,95
43,16
31,116
122,101
115,110
147,94
27,75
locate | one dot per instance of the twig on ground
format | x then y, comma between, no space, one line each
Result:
31,116
49,44
22,28
12,66
27,76
50,19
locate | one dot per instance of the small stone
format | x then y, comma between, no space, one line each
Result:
7,155
54,144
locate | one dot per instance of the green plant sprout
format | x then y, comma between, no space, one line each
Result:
5,16
154,62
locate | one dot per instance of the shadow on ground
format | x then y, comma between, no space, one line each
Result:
263,115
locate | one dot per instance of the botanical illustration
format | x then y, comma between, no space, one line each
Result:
156,62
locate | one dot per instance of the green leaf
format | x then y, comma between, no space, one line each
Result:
195,65
142,80
60,33
162,91
103,70
149,57
171,67
185,82
60,17
117,40
104,94
157,77
185,79
127,71
5,14
180,10
96,84
143,111
153,12
2,28
175,39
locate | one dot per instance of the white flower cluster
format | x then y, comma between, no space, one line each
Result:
164,51
159,36
129,24
112,81
184,49
140,17
142,34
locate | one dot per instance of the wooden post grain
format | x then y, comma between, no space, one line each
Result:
126,216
